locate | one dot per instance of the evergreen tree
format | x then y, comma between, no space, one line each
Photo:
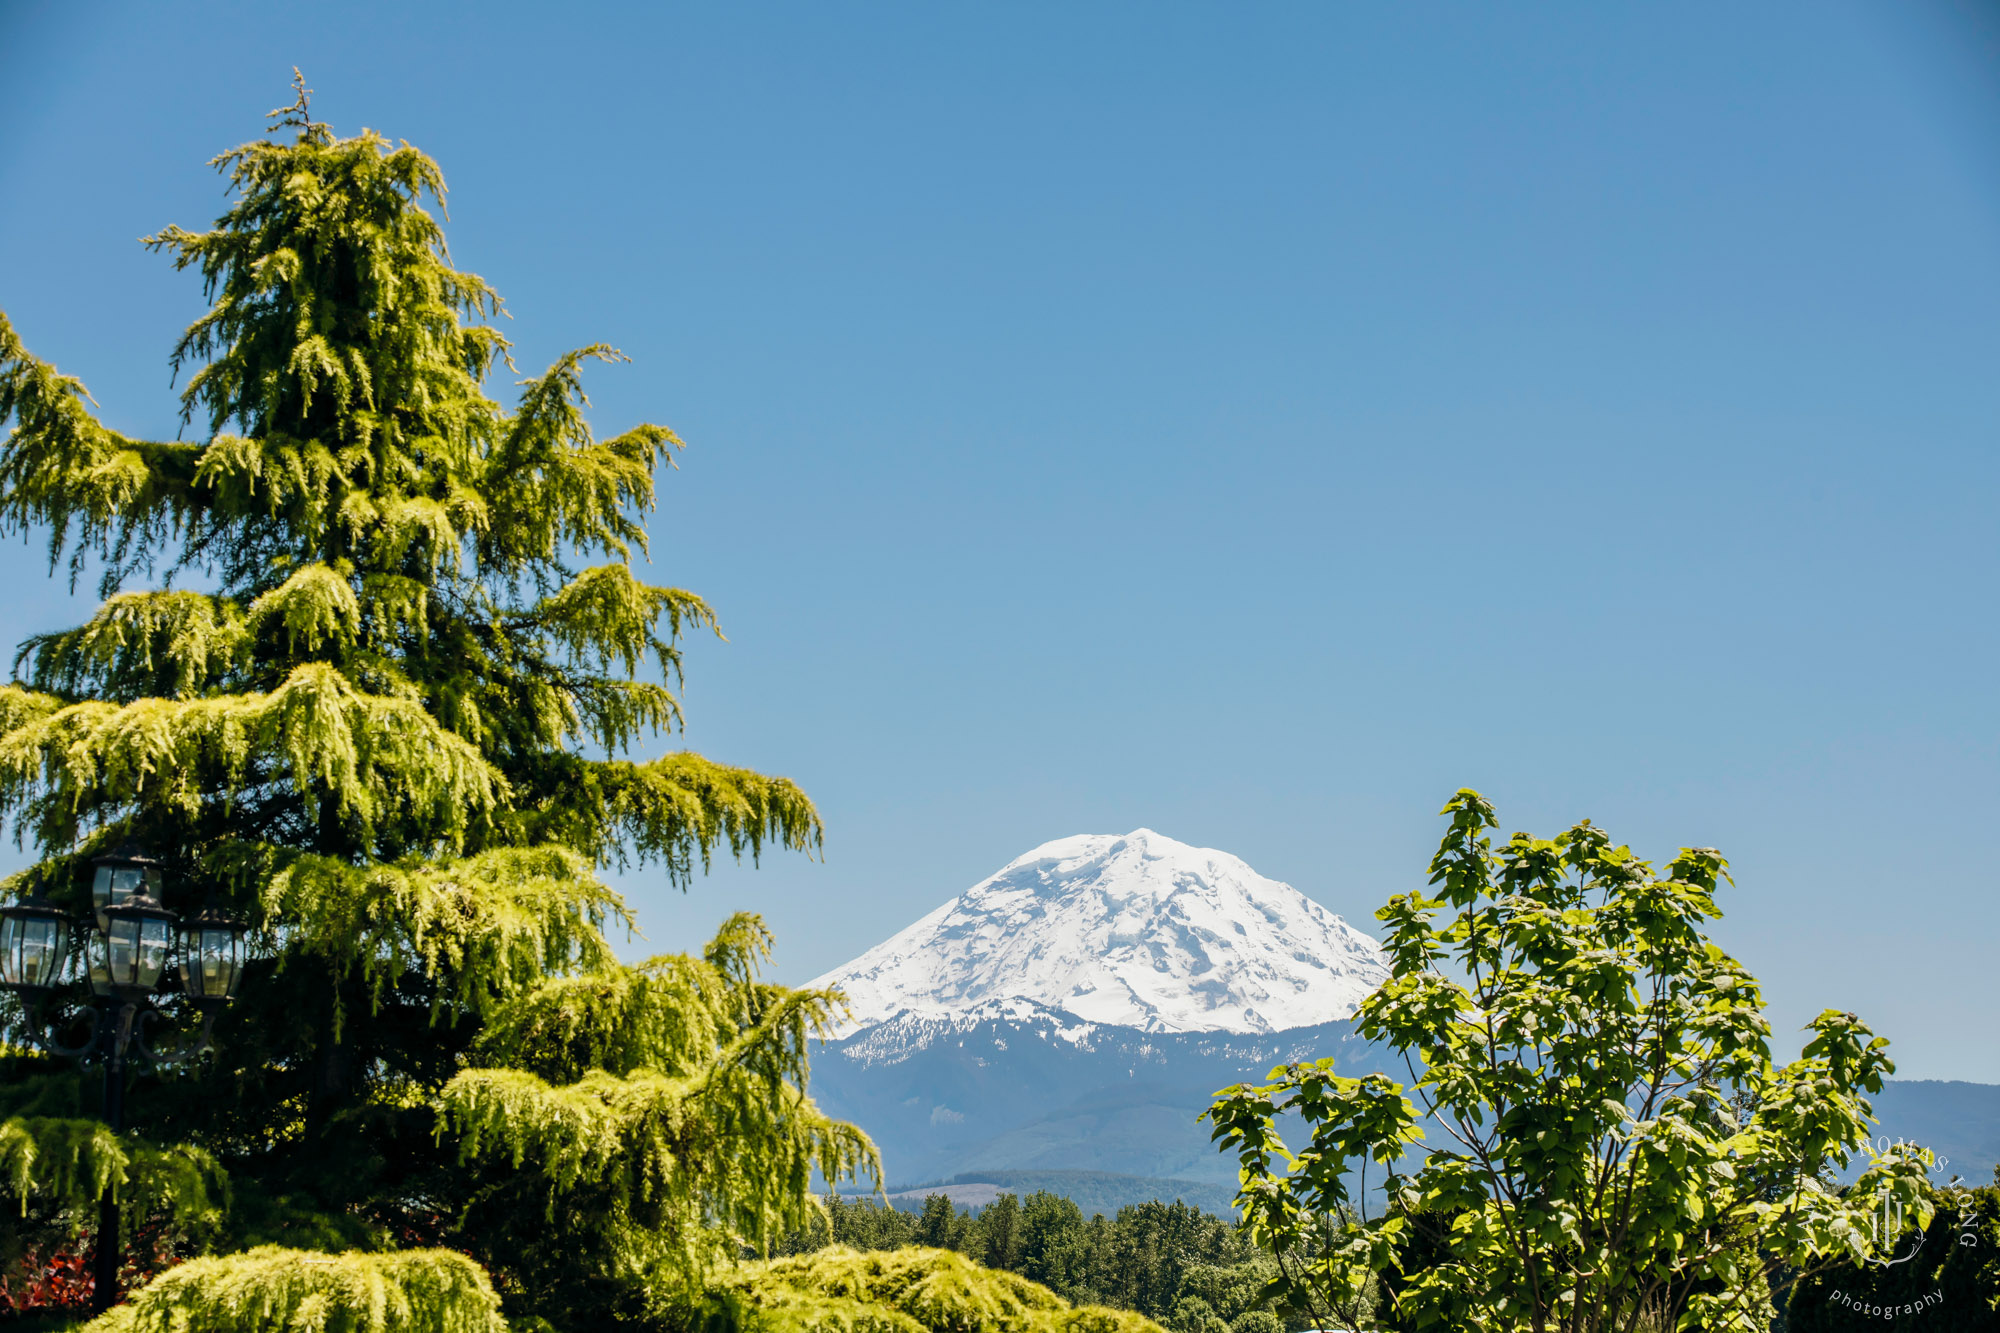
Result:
1170,1262
1000,1233
1050,1226
379,693
942,1227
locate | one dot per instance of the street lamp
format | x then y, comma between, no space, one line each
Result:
123,960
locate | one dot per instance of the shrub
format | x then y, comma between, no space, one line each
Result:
274,1290
896,1291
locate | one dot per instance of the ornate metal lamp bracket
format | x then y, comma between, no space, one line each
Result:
42,1034
142,1043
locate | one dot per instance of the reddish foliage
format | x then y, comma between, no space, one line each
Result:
58,1281
61,1279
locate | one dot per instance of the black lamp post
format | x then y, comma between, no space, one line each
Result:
124,960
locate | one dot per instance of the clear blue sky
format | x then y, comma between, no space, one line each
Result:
1252,422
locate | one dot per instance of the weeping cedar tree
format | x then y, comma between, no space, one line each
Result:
1618,1151
394,736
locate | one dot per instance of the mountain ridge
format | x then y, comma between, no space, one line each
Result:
944,1099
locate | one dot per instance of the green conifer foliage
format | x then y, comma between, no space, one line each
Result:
896,1291
56,1161
610,1086
275,1290
370,666
69,1163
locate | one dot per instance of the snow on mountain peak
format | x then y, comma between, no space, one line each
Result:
1136,931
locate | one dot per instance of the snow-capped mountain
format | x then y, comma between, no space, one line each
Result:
1078,1011
1138,931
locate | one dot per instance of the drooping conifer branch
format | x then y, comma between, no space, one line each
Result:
487,926
913,1290
635,1091
73,1162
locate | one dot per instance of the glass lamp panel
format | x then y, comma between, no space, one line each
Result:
100,964
153,880
114,884
122,944
10,951
191,960
100,895
41,951
232,961
155,941
215,962
195,965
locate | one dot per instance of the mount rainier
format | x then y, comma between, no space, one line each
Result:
1077,1010
1138,931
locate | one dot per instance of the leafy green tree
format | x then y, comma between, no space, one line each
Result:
1230,1290
370,668
1616,1150
1213,1297
1256,1321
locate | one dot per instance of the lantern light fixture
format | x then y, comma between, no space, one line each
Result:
211,957
35,939
126,871
131,952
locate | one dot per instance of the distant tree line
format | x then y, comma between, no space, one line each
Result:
1187,1269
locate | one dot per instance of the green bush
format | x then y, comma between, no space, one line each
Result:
839,1290
274,1290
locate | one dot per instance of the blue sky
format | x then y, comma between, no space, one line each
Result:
1248,422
